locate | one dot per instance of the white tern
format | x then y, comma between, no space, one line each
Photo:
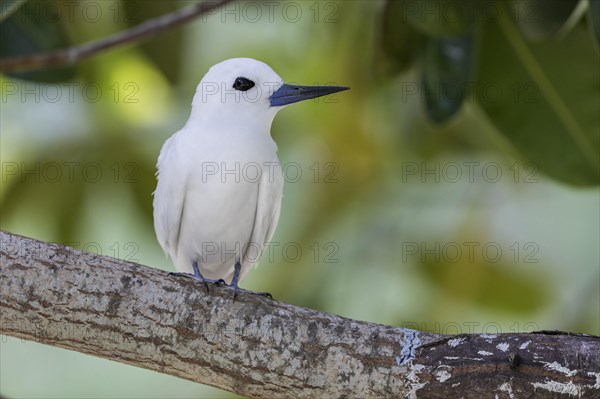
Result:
220,184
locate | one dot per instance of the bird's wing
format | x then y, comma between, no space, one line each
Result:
276,195
270,192
169,197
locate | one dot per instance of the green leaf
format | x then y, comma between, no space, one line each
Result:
595,17
447,68
541,19
165,51
544,98
398,41
30,31
443,18
9,7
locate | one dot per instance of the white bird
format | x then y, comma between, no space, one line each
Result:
220,184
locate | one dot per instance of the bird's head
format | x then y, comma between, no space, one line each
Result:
247,88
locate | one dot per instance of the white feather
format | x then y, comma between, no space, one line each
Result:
219,181
211,204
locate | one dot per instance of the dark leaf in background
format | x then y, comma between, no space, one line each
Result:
165,50
541,19
544,98
34,29
398,41
594,12
446,70
443,18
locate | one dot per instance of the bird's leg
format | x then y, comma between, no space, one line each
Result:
198,276
236,289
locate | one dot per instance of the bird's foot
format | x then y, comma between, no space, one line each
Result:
237,290
198,277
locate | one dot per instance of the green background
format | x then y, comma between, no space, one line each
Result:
470,213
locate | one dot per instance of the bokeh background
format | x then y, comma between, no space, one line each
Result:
454,189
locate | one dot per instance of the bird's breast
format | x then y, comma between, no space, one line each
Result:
225,176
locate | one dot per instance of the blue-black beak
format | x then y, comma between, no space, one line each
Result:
289,94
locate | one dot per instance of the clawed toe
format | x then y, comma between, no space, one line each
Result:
220,282
237,290
198,277
179,274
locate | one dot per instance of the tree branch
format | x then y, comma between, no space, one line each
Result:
140,32
267,349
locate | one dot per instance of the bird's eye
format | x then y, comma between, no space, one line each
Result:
243,84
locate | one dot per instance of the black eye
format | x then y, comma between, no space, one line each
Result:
243,84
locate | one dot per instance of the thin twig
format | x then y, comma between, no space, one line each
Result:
140,32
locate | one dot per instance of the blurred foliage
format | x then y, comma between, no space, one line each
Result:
9,7
594,14
562,112
396,175
164,51
546,107
446,66
25,33
542,19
